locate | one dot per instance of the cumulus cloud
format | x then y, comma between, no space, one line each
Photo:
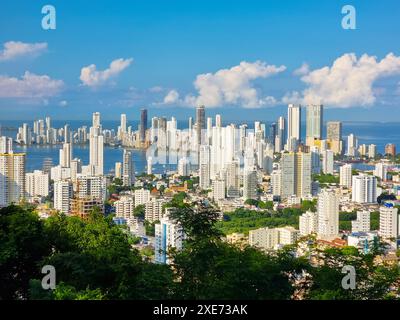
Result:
233,86
91,77
29,86
16,49
303,70
171,97
63,103
348,82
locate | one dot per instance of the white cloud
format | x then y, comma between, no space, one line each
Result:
304,69
63,103
233,86
348,82
92,78
29,86
16,49
171,97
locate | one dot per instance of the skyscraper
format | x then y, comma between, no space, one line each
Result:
128,171
364,189
390,149
143,124
12,176
168,234
296,174
96,145
346,175
294,122
352,145
63,193
200,121
328,214
314,123
334,136
388,221
204,167
250,184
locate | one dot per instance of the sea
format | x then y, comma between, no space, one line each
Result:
378,133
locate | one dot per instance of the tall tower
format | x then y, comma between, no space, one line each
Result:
314,123
143,124
128,171
96,145
294,122
200,121
12,176
328,214
123,122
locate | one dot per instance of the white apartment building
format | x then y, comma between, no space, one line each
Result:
218,189
142,196
124,207
363,222
328,214
37,184
154,209
346,172
308,223
388,222
168,234
12,178
364,189
62,196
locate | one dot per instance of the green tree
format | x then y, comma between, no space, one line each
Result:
23,245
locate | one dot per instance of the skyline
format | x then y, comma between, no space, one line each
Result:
243,61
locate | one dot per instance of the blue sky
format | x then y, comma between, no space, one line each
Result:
173,43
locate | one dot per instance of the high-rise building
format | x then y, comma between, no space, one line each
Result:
346,172
91,186
123,123
362,223
154,209
328,214
63,193
280,135
294,122
250,184
96,145
168,234
352,145
124,207
390,149
12,175
388,221
6,145
37,184
149,165
184,167
364,189
334,136
218,189
200,122
142,196
381,170
118,170
204,167
128,170
314,120
143,124
66,155
308,223
327,161
232,179
296,174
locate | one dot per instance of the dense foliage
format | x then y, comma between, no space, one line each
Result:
94,259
